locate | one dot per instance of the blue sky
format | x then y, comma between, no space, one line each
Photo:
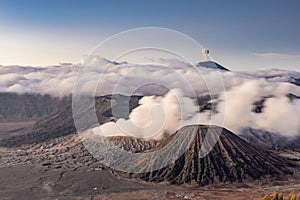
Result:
240,34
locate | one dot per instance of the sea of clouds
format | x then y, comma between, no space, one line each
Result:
169,91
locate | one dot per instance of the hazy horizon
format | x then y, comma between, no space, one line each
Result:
240,35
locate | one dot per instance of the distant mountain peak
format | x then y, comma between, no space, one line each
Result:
211,65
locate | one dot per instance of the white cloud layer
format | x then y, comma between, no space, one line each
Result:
238,91
124,77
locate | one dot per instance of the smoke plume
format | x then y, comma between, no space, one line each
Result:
155,117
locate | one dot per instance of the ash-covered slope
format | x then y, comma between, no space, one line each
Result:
132,144
231,160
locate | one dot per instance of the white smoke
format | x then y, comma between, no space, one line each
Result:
155,117
234,112
236,104
279,114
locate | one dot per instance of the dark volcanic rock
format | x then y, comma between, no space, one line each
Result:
231,160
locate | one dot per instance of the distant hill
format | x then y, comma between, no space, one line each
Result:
61,122
20,107
271,141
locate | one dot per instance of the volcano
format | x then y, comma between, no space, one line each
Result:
212,65
232,159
